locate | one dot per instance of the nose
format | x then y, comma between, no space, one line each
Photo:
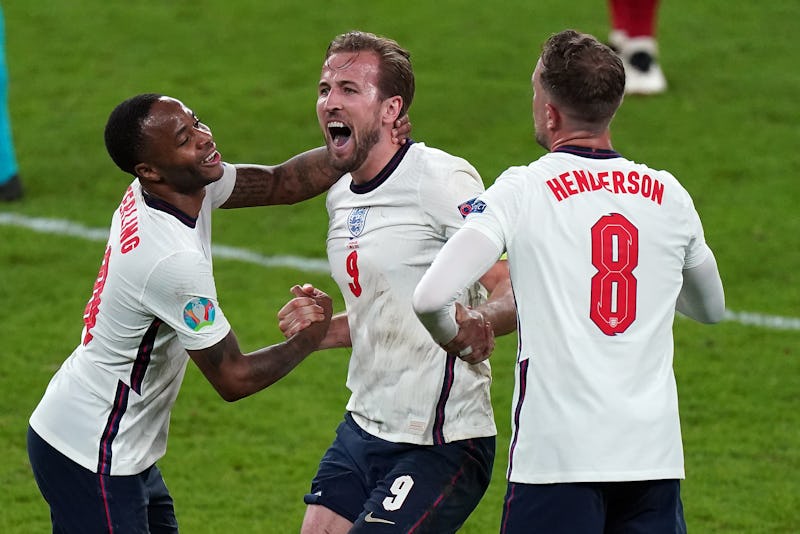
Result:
331,101
203,135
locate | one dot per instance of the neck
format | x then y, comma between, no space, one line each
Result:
188,203
583,138
379,156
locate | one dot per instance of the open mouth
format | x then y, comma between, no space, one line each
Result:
339,133
212,158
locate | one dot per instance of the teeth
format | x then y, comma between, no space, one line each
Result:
210,157
335,124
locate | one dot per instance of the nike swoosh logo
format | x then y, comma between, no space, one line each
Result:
369,518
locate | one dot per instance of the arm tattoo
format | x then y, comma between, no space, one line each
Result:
302,177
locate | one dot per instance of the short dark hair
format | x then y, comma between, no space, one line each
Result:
396,74
124,134
583,75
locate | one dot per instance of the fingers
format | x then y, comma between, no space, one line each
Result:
307,290
478,352
401,131
308,307
475,339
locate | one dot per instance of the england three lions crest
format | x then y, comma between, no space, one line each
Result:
356,221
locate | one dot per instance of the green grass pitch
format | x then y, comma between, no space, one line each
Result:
727,128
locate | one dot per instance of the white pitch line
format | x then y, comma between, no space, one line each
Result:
69,228
311,265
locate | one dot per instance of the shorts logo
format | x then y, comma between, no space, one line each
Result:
472,205
199,312
356,221
369,518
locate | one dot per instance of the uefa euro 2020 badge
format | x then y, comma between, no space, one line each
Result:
199,312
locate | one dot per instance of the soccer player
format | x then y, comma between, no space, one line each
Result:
601,250
10,183
101,425
633,37
416,447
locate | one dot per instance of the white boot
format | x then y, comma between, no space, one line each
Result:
643,74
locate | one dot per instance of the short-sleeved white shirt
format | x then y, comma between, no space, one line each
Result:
107,408
382,237
596,247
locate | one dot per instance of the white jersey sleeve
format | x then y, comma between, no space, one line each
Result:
190,309
461,262
221,190
443,200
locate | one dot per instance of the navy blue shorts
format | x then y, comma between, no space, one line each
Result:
648,506
85,502
401,487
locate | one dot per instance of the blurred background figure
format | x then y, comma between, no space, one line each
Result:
10,185
633,37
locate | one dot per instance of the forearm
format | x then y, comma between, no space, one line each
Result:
467,256
267,365
500,309
235,375
702,297
338,334
300,178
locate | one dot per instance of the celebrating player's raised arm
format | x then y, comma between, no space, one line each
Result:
302,177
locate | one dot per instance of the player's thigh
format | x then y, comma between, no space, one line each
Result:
647,507
87,502
553,509
160,508
430,489
341,484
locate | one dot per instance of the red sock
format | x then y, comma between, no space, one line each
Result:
637,18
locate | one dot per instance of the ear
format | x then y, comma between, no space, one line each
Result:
553,117
147,172
391,109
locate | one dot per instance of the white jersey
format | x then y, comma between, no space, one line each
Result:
596,247
382,237
107,408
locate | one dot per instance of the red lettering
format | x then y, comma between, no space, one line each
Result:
597,183
129,224
582,181
619,181
557,190
93,306
128,201
127,246
128,231
647,186
615,255
568,184
633,180
658,192
351,265
603,181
